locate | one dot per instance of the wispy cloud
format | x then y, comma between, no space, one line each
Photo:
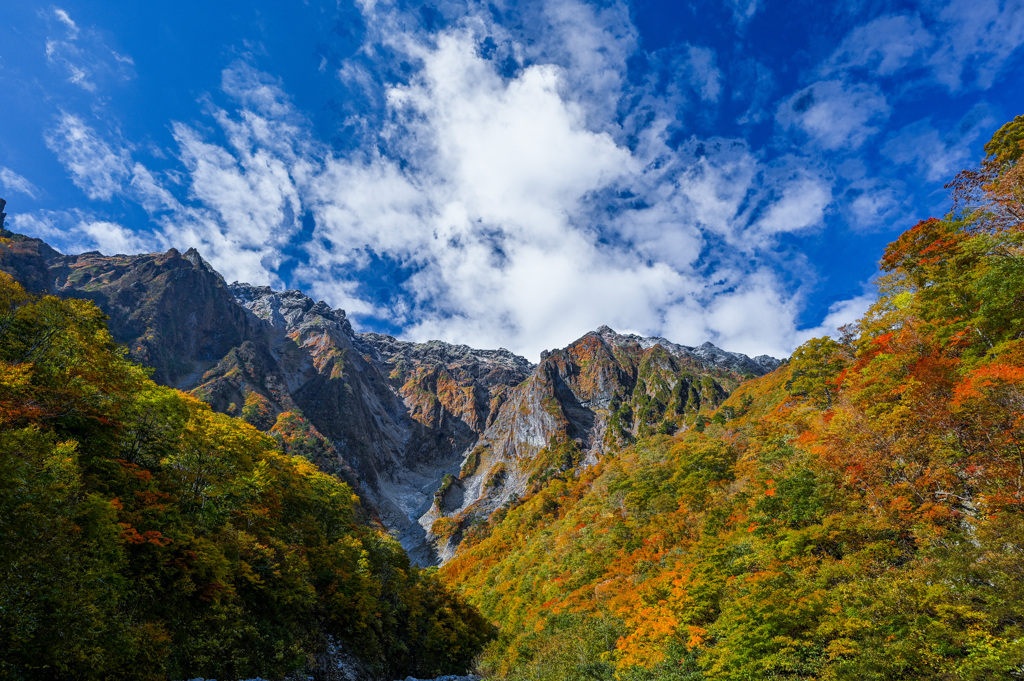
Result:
77,231
938,155
97,167
977,39
958,44
743,10
83,56
13,182
835,114
885,45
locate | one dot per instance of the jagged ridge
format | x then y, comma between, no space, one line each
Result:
424,431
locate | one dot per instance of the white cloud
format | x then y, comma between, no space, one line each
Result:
247,194
83,55
935,155
705,75
978,38
755,319
840,314
150,193
51,226
498,211
64,18
12,181
961,43
834,114
78,232
801,204
874,205
97,168
515,152
591,42
742,10
884,45
111,238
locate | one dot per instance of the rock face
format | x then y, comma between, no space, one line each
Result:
174,313
581,403
398,413
433,436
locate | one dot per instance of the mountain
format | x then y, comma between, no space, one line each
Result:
628,508
581,403
146,537
433,436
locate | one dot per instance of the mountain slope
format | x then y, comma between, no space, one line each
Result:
146,537
582,402
423,431
856,514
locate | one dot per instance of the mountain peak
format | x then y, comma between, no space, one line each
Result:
707,352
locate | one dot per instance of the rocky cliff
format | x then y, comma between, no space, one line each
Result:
173,312
581,403
434,436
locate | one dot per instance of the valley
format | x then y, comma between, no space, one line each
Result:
198,476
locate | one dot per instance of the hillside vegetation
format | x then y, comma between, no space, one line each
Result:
144,536
857,514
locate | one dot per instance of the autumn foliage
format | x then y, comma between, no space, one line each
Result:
857,514
144,536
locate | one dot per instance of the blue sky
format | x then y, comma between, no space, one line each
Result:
510,173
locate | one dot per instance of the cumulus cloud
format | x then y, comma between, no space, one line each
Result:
835,114
500,212
83,56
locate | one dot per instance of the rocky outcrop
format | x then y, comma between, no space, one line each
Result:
579,404
400,414
173,312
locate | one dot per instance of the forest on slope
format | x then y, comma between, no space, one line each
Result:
144,536
856,514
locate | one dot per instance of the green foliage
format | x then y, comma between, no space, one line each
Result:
815,367
561,456
1007,144
446,483
145,537
472,462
